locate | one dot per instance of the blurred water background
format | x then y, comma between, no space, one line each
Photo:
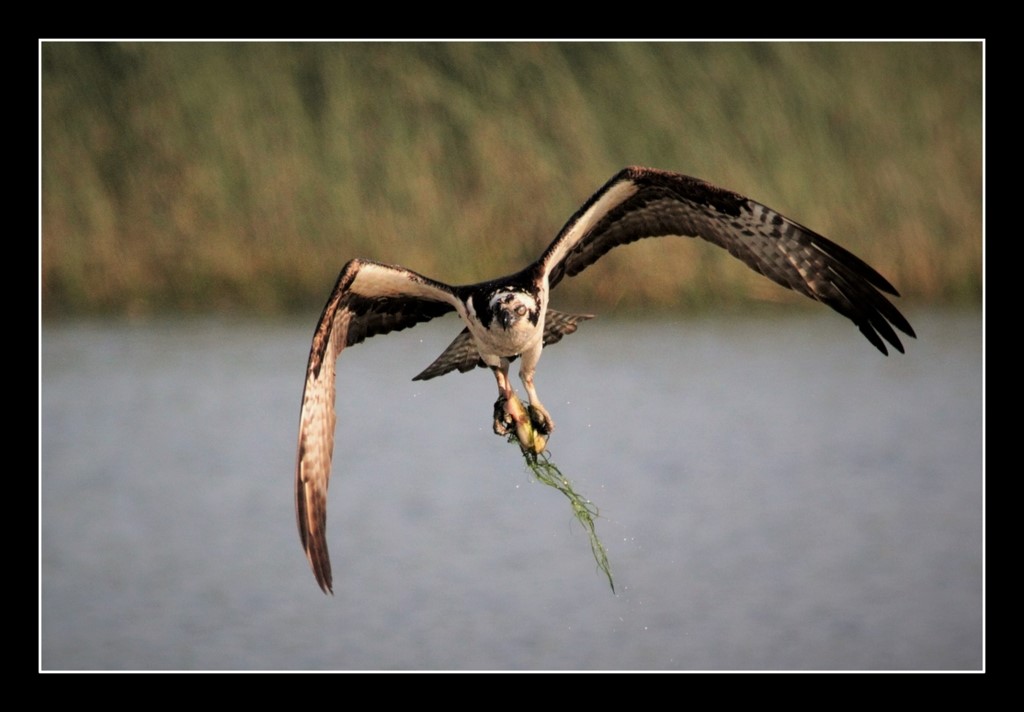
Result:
774,494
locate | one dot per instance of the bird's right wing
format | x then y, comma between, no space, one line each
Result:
369,298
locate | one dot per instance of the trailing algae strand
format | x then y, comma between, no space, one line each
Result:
532,444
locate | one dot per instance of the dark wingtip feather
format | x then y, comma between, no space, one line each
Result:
327,585
321,564
871,335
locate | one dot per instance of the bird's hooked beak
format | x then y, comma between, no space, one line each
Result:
507,317
508,314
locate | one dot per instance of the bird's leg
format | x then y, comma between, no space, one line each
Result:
504,422
511,418
539,415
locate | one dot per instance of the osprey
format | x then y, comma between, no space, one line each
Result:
510,317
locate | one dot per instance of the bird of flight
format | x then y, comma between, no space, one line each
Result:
510,317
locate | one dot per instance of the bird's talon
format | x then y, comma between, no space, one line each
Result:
503,421
542,422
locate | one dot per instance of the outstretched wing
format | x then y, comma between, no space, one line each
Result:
462,353
643,202
368,299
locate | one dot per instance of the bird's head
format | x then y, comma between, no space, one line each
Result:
510,307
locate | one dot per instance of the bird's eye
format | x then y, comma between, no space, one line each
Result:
520,310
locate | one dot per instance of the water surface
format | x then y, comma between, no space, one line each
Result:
774,494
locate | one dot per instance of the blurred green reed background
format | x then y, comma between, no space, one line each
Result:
241,176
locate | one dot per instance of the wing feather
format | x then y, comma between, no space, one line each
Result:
369,298
642,202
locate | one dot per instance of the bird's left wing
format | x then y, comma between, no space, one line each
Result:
369,298
643,202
